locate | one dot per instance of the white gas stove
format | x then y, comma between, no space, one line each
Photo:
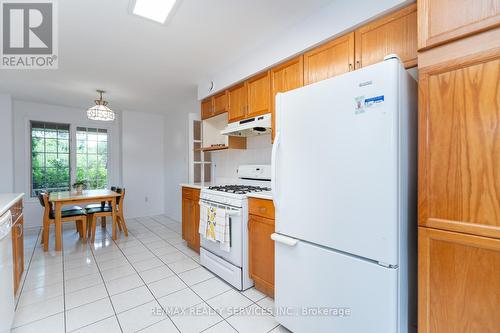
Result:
232,266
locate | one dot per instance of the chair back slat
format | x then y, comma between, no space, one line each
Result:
119,200
44,200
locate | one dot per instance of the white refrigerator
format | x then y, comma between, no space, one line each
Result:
344,179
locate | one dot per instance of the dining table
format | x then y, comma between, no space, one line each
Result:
75,198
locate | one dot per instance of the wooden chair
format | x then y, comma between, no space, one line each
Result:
103,218
68,214
103,210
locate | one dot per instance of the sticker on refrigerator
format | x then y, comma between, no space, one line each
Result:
374,101
359,104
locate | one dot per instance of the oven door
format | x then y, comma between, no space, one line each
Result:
234,256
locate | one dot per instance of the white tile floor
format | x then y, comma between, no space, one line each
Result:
148,282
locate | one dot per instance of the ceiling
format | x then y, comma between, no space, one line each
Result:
146,66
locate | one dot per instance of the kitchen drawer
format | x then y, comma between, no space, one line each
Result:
187,193
261,207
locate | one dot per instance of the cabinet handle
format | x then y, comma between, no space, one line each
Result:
262,209
350,67
21,230
358,64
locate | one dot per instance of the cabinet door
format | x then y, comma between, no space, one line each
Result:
237,96
220,103
206,108
259,95
459,283
441,21
285,77
330,59
18,251
394,33
195,216
459,145
186,214
261,253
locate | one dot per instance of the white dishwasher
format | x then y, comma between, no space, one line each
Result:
7,303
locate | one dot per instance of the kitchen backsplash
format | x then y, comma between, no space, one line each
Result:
226,162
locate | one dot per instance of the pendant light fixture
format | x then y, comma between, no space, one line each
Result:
100,110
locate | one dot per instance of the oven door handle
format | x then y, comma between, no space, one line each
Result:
229,210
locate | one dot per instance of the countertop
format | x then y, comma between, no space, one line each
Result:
199,186
7,200
261,195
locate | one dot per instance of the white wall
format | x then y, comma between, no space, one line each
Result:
177,157
226,162
143,163
6,145
24,112
331,21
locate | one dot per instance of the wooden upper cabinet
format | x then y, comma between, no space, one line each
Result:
259,95
206,108
220,103
237,98
459,283
393,33
285,77
459,144
441,21
330,59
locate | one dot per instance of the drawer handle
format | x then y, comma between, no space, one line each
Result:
262,209
21,230
284,240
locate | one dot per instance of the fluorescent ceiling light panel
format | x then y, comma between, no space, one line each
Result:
156,10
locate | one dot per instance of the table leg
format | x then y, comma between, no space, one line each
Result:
113,210
58,225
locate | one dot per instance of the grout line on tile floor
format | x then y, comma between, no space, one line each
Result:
203,301
145,284
105,287
25,273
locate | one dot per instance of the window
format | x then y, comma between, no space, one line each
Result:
201,162
53,152
50,159
92,156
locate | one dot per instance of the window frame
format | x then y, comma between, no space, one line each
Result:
30,131
191,174
74,170
113,170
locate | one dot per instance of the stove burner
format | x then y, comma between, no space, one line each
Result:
239,189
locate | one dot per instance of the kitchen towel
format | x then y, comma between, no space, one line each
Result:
203,229
214,225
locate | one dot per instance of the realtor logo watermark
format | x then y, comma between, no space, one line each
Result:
29,34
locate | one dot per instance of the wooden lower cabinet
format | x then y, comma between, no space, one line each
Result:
17,243
459,282
191,217
261,246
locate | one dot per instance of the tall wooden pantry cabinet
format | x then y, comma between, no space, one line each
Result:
459,165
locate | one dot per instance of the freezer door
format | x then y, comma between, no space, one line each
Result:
319,290
335,161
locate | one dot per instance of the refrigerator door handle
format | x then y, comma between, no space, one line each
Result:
274,154
284,239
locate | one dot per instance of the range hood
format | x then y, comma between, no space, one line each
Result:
259,125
